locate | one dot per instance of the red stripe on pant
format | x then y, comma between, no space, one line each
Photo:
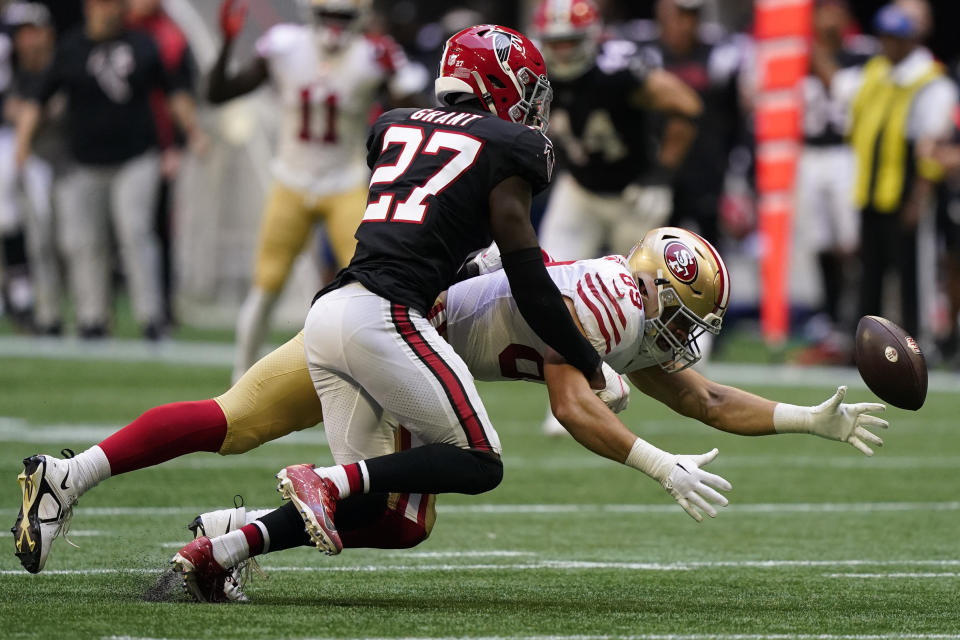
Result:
462,407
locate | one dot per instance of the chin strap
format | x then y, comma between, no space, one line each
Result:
485,95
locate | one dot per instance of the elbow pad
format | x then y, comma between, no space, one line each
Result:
542,306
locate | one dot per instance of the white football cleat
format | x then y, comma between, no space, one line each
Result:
49,495
216,523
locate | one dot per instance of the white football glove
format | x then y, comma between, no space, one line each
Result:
693,488
616,394
488,260
833,420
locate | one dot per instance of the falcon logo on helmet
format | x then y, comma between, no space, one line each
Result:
692,287
502,68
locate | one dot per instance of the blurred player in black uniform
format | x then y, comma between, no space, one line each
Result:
613,186
710,65
108,74
611,190
445,182
827,220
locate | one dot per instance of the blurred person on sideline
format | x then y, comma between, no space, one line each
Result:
149,16
613,186
947,154
33,44
710,64
903,104
108,74
16,293
328,75
826,216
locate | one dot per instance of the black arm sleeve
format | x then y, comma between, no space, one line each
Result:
542,306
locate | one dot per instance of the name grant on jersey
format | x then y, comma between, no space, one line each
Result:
451,118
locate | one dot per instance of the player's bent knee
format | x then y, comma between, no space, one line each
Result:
488,472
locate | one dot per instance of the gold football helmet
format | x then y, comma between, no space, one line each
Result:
337,21
692,288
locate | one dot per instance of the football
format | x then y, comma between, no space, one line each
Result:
891,363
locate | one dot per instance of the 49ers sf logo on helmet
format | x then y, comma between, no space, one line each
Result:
681,262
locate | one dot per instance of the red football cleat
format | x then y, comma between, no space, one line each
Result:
316,499
203,577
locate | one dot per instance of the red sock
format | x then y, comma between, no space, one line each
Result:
254,538
164,433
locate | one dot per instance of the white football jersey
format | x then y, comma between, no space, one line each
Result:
485,327
326,105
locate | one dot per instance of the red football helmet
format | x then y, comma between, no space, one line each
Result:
570,33
502,68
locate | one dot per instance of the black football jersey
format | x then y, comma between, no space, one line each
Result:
602,132
824,115
428,206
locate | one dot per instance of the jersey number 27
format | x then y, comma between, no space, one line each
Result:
412,209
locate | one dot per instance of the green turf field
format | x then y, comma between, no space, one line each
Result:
818,540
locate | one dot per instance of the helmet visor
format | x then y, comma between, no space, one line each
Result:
676,330
534,106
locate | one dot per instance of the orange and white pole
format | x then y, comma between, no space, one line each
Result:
782,30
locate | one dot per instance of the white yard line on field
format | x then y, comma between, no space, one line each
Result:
658,636
539,565
577,509
196,353
893,575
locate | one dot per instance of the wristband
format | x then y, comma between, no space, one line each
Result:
647,458
790,418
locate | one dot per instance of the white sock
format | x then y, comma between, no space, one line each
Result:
230,549
339,477
89,468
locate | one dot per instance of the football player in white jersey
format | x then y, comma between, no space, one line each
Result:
327,75
643,313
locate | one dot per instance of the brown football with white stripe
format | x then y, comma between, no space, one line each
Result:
891,363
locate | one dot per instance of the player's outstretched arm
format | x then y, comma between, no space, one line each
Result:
665,92
594,426
537,297
220,87
736,411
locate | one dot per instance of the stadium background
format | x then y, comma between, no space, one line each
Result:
219,197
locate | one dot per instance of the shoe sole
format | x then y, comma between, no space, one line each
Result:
317,534
28,536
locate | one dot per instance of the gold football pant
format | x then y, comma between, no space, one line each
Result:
276,397
288,217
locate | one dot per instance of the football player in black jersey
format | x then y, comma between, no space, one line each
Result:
615,180
613,186
445,182
709,62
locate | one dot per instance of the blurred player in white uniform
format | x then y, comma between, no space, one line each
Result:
328,76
